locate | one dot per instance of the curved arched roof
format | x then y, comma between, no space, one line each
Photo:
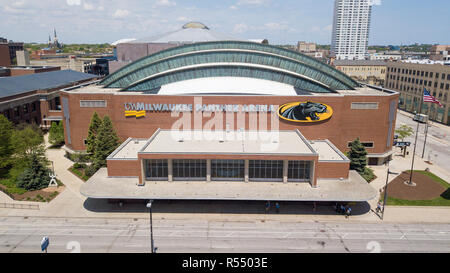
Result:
229,58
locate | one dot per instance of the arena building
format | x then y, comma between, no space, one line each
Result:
232,120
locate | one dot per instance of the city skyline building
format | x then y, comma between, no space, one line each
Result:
350,34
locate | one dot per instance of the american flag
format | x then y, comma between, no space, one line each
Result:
427,97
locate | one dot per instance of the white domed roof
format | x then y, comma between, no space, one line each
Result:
192,32
195,25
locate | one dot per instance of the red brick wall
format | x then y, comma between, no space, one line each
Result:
24,71
344,126
123,168
332,170
4,55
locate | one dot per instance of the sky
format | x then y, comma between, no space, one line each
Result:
394,22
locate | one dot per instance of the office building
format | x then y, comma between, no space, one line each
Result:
34,98
350,35
365,71
409,78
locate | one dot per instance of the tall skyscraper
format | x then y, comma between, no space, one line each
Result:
350,37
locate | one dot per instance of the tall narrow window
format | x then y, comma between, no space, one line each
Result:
156,169
266,170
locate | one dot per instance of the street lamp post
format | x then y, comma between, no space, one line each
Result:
385,191
149,205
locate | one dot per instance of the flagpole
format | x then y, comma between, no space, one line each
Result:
425,141
415,142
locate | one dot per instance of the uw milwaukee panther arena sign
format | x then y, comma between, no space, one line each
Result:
139,109
305,111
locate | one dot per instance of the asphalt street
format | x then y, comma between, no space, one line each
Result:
24,234
437,148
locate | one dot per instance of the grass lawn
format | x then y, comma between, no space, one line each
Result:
44,195
443,200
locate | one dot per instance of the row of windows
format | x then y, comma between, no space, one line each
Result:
365,144
228,57
222,169
92,103
218,71
227,45
419,73
26,108
416,89
364,105
418,81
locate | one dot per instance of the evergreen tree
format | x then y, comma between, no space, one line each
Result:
92,133
35,177
6,148
105,143
357,156
56,134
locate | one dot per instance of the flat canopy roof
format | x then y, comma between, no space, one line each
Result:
128,149
327,151
228,142
10,86
355,189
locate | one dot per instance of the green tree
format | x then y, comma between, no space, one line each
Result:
404,131
35,177
56,134
92,133
105,143
26,140
357,156
6,148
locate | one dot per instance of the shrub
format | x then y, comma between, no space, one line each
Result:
90,170
78,157
79,165
368,174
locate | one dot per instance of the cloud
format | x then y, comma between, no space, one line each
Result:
183,19
121,13
88,6
233,7
73,2
276,26
18,4
253,2
18,9
240,28
328,28
167,3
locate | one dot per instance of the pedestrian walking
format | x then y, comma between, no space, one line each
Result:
277,206
342,209
267,206
314,206
348,212
378,210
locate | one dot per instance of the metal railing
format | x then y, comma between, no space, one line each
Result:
18,206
